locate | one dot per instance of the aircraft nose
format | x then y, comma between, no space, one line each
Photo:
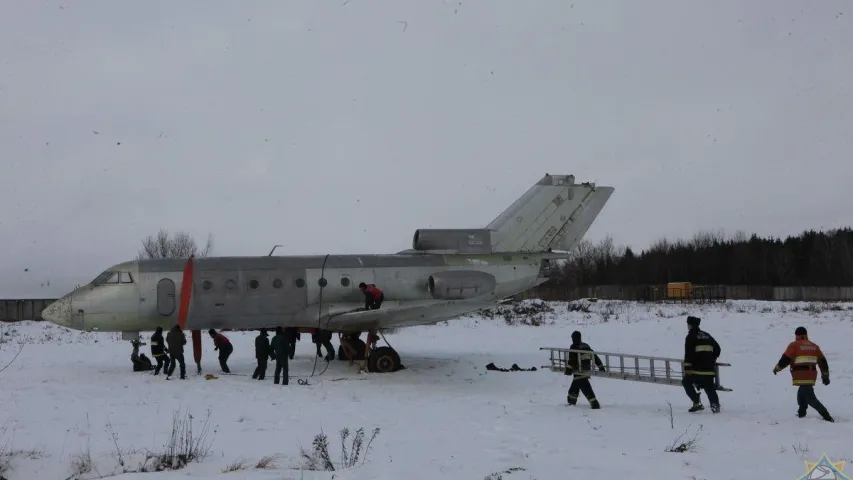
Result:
59,312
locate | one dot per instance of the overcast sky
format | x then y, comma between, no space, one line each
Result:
341,127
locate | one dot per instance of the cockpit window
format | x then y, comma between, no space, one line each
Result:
102,278
113,278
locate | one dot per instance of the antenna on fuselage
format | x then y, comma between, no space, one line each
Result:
273,249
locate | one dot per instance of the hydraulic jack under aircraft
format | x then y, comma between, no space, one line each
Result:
446,273
637,368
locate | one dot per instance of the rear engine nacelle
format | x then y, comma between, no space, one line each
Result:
460,284
455,240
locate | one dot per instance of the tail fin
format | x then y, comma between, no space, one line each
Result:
554,214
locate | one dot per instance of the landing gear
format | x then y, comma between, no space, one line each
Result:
376,359
381,359
352,348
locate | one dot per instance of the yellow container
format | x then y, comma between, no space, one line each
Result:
678,289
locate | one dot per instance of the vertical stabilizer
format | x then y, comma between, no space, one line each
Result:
554,214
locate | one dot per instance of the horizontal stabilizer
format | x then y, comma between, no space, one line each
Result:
620,366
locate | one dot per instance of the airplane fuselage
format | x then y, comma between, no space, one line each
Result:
290,291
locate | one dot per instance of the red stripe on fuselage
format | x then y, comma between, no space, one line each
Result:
186,292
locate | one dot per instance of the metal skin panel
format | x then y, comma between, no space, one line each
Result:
554,211
466,241
460,284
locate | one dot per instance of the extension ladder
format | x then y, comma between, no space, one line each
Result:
637,368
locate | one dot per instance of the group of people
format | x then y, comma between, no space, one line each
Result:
169,352
802,356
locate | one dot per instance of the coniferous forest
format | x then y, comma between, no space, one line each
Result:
813,258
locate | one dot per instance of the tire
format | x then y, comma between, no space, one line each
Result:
383,360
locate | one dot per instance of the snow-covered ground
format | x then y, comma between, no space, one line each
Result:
70,396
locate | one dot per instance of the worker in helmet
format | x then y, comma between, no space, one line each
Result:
579,365
700,366
804,358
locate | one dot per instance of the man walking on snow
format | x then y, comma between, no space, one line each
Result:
175,340
804,358
700,366
262,353
577,365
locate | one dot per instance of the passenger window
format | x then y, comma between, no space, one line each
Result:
125,277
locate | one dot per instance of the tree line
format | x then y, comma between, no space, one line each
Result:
812,258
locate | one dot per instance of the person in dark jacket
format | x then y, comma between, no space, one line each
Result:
293,336
281,352
373,296
225,348
175,340
159,351
262,354
578,365
700,366
324,338
141,363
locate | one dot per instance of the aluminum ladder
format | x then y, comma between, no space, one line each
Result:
637,368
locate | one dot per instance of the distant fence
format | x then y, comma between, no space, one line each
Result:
30,309
557,292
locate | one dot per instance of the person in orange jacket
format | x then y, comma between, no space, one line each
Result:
804,358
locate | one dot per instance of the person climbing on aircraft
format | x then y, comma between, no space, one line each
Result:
159,351
373,296
804,358
175,340
577,365
700,366
280,352
225,348
262,354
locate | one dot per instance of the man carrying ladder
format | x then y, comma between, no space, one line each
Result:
700,366
578,365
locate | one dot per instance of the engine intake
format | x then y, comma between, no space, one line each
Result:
459,241
460,284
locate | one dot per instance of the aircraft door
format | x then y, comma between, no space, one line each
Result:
166,300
